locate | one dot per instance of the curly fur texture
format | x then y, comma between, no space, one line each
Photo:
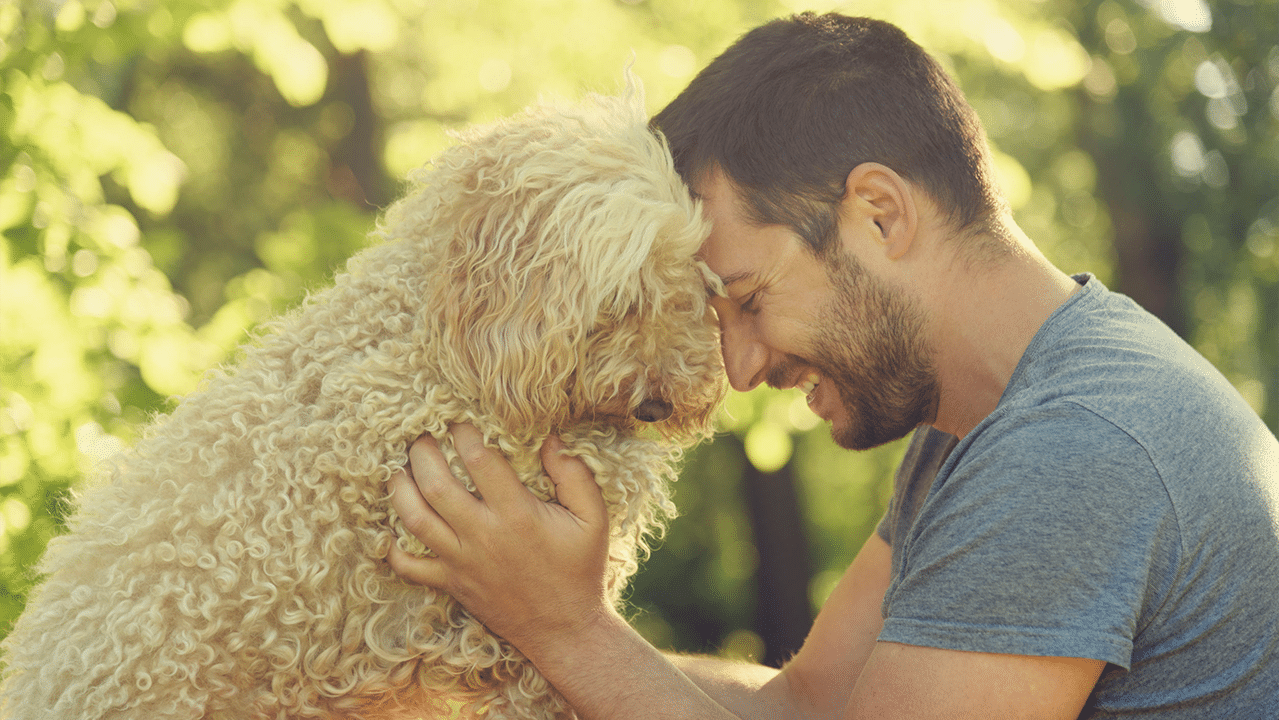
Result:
539,276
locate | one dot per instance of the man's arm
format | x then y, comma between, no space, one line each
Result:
533,572
607,671
818,681
843,671
749,690
903,682
844,633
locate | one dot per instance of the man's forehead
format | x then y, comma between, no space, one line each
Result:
731,268
732,250
723,262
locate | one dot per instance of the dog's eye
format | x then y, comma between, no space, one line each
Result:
653,410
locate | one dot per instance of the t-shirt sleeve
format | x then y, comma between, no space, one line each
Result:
924,456
1049,537
882,529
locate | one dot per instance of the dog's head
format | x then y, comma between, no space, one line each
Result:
565,288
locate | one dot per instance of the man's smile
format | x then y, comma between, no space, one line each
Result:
809,386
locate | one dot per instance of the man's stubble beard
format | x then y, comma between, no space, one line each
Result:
870,344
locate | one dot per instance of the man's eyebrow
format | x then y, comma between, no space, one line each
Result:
736,277
728,280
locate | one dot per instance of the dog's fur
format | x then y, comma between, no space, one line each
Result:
538,277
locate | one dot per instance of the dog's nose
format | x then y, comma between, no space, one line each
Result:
653,410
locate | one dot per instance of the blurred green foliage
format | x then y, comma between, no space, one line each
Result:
173,172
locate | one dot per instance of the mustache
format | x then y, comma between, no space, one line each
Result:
779,376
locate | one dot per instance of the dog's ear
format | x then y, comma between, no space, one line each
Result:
508,304
544,230
512,323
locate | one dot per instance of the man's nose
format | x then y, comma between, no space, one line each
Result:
745,357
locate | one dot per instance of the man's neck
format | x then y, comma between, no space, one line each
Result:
984,315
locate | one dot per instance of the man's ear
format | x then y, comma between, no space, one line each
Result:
880,202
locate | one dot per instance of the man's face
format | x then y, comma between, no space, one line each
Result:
850,341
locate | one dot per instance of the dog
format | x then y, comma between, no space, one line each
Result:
537,276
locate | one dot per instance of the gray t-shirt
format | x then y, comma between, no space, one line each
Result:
1121,503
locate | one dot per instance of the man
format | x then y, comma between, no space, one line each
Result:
1087,520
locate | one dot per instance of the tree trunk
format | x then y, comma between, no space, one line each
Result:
1147,242
783,614
356,174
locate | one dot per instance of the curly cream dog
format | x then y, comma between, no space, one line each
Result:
539,276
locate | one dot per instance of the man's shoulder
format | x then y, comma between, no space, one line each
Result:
1059,434
1109,362
1060,464
1100,338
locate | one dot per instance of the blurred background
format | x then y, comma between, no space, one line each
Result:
174,171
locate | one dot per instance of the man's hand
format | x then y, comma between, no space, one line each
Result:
533,572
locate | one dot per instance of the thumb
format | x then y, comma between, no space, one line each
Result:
575,486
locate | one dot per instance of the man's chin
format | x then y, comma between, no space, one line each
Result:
860,435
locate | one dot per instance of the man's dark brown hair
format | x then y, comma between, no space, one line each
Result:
794,105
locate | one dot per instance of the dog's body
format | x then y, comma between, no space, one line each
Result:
539,277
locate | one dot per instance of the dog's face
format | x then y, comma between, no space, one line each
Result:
566,289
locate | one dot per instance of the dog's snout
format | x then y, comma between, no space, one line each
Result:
653,410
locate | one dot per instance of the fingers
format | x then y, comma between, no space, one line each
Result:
492,473
447,497
575,486
439,511
508,556
423,571
420,519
